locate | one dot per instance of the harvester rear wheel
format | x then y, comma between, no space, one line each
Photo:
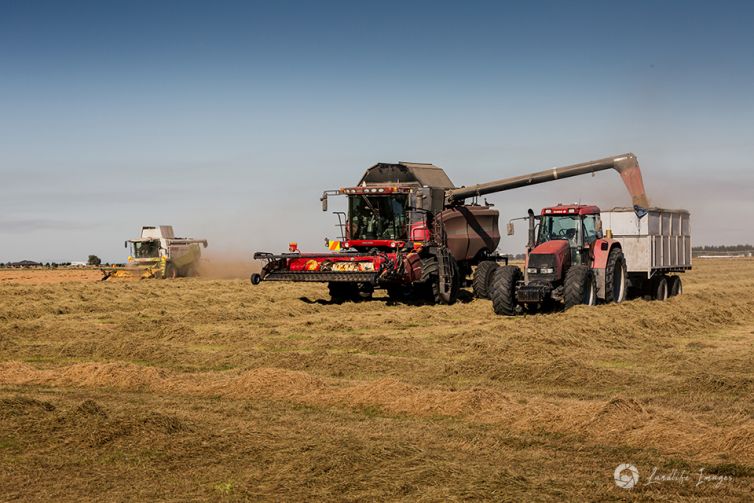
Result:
675,286
615,277
502,289
660,288
580,287
482,278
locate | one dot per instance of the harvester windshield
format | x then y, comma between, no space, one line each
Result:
377,217
146,249
566,227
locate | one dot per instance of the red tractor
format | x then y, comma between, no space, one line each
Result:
568,261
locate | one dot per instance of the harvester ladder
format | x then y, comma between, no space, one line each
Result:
445,279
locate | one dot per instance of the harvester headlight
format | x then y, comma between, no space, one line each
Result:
531,270
547,270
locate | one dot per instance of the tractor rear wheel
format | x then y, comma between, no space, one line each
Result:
502,289
660,288
579,287
615,277
482,278
675,286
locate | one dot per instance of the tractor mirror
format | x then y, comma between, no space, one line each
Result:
125,244
510,228
324,202
598,228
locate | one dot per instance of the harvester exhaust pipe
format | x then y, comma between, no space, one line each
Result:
626,164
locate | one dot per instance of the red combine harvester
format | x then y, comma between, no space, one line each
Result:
410,231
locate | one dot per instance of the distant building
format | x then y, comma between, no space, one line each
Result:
25,263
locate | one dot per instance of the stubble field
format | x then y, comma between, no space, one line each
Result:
197,389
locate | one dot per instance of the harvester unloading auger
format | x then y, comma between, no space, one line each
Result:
409,230
157,253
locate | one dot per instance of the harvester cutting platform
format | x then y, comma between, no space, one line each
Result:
157,253
410,231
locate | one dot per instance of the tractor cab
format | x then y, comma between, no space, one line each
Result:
145,248
577,225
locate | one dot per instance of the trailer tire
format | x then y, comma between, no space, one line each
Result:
482,278
675,286
579,287
660,288
615,277
502,289
431,282
455,284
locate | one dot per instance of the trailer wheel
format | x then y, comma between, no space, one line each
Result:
502,289
615,277
482,278
660,288
580,287
455,284
675,286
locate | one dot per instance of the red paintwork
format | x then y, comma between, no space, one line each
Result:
374,243
299,263
419,232
571,209
599,255
557,247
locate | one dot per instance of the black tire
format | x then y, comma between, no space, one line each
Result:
660,288
502,289
482,277
343,292
455,284
675,286
399,293
430,282
171,271
616,279
579,287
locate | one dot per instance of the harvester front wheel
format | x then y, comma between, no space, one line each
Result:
615,277
171,272
343,292
502,289
482,278
579,287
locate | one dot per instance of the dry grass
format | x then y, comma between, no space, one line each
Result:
205,390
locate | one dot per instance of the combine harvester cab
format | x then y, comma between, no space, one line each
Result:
157,253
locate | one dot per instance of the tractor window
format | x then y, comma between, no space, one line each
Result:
146,249
590,228
377,217
558,227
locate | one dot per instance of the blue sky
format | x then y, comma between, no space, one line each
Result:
228,119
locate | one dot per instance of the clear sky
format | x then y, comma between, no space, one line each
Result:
228,119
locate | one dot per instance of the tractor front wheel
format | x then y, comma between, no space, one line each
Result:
579,287
615,277
502,289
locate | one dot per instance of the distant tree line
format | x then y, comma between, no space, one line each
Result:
723,248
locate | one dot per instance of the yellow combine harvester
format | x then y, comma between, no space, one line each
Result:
159,254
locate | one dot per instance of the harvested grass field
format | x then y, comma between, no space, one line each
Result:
216,390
